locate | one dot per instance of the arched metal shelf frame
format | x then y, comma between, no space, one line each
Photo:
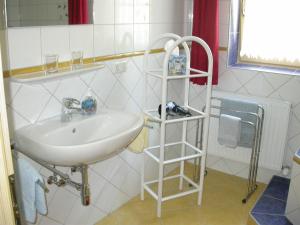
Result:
197,114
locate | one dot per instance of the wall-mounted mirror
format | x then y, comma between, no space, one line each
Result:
21,13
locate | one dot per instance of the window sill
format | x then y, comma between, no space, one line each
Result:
268,69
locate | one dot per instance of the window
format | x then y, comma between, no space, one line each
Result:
265,35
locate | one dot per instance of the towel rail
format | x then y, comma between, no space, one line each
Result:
252,184
42,185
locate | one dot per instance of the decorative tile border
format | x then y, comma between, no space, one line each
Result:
39,68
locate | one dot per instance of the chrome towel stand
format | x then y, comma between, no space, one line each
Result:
252,183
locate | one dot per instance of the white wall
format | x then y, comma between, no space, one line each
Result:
114,181
114,31
30,103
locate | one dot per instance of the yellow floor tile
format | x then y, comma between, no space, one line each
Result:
222,204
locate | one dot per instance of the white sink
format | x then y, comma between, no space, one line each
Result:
83,140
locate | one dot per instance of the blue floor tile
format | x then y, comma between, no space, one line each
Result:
264,219
281,179
270,206
278,188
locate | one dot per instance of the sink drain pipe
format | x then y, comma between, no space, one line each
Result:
64,178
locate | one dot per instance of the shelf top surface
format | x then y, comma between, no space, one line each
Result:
155,116
63,72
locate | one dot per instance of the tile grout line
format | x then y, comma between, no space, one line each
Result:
275,89
44,108
19,114
108,182
15,94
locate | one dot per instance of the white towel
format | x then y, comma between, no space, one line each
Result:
32,195
229,130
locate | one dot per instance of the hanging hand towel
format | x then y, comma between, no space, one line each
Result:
229,130
32,195
247,131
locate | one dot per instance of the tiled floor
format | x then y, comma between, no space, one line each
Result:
222,205
270,208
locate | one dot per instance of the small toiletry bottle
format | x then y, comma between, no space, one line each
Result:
89,103
173,57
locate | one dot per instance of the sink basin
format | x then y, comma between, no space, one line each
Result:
83,140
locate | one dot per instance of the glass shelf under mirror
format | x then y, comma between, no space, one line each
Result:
62,73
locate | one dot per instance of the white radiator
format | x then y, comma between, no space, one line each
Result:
274,135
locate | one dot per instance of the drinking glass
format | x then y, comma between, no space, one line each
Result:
77,59
51,63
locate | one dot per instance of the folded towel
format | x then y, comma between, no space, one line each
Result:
247,131
141,141
229,130
32,195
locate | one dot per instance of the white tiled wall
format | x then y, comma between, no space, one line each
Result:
30,103
113,181
29,40
120,26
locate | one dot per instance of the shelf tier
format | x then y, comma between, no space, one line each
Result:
196,115
147,187
158,74
62,72
191,152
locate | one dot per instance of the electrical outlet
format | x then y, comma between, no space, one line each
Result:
121,67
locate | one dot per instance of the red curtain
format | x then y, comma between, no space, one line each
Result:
206,26
78,11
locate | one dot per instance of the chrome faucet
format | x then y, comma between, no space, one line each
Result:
69,107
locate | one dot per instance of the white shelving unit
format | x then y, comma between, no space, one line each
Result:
187,150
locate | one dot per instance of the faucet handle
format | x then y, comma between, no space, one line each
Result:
68,102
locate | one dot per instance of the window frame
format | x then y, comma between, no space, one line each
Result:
234,43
